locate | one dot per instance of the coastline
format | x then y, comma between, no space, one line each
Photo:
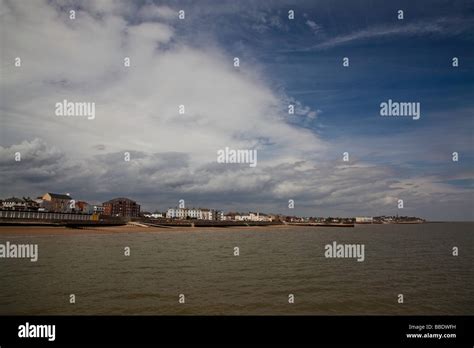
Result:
61,230
35,230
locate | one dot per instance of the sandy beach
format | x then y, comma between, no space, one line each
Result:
59,230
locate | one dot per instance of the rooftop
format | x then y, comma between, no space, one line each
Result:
120,199
59,195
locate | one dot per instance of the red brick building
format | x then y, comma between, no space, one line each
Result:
121,207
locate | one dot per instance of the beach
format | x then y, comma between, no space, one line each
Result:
60,230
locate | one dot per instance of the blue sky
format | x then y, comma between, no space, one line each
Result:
282,61
301,58
400,66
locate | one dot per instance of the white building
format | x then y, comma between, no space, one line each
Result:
193,213
228,217
14,203
154,215
254,216
98,209
251,216
207,214
176,213
242,217
364,220
265,217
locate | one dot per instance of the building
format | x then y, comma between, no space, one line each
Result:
84,207
207,214
229,216
254,216
251,216
364,220
176,213
219,216
98,209
185,213
193,213
265,218
241,217
155,215
57,202
14,203
121,207
211,215
31,204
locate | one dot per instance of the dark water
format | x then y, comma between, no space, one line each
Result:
414,260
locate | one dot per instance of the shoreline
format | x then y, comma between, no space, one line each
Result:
62,230
29,230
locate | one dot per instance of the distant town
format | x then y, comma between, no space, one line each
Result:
63,207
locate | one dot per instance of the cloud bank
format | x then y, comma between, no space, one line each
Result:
173,154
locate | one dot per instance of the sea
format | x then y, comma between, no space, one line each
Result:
255,271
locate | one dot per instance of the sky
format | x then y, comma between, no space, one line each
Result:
283,61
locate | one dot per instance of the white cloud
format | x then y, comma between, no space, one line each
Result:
137,111
314,27
82,60
152,11
442,27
